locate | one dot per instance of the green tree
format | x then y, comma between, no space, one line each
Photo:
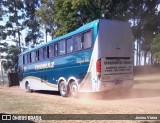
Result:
150,25
31,21
14,11
47,20
11,57
155,48
145,17
76,13
68,15
3,35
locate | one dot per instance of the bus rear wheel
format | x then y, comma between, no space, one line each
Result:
74,89
63,89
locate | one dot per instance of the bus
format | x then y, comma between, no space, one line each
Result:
96,57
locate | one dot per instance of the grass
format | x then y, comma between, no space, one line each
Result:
16,103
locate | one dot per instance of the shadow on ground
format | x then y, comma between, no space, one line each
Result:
47,92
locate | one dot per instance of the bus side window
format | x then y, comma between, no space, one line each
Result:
41,54
29,58
56,49
24,62
25,59
78,42
45,53
37,55
70,45
33,56
62,47
87,40
51,51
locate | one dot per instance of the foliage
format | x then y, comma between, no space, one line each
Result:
155,47
3,35
150,25
14,10
145,17
47,19
31,21
11,57
67,15
3,47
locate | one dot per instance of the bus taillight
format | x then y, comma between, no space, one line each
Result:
98,66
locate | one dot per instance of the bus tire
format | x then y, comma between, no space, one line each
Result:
28,88
73,89
63,89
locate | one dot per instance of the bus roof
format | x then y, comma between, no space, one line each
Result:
82,28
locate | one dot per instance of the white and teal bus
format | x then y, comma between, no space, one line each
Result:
96,57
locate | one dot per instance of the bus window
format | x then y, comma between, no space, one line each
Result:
45,52
41,54
87,42
70,45
37,55
29,58
62,47
33,56
78,43
56,49
51,51
25,59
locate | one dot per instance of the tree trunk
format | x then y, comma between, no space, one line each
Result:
52,36
137,54
145,56
19,40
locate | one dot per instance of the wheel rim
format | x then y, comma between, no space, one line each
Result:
74,89
63,89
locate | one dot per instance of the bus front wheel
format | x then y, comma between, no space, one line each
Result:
74,89
63,89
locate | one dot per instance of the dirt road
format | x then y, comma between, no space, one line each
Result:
144,98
